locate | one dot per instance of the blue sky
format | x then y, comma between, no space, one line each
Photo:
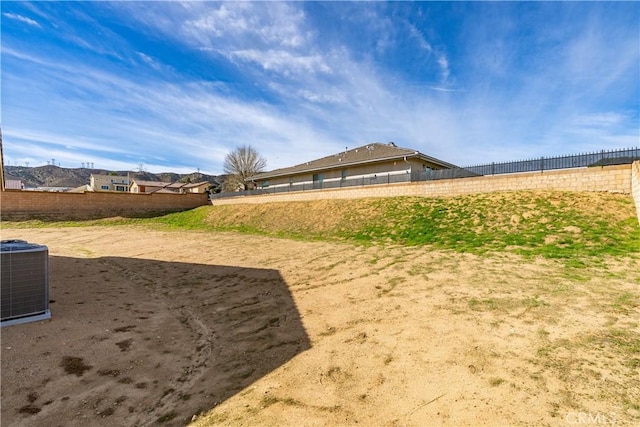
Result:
176,85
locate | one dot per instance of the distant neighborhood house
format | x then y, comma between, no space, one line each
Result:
13,183
376,161
138,186
109,183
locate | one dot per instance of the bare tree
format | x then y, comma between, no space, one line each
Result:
240,164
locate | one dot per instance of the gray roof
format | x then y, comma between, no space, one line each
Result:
370,153
155,183
109,176
170,184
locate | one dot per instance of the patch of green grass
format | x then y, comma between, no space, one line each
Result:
505,304
194,219
626,302
166,417
483,304
629,404
534,302
625,341
270,400
633,363
617,341
37,223
472,224
495,382
393,282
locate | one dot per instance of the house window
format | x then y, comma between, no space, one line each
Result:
317,180
104,187
120,188
343,174
265,184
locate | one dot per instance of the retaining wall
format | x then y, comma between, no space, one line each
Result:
635,185
61,206
616,179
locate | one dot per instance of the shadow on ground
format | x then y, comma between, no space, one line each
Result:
141,342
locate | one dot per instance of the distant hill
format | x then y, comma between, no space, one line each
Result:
54,176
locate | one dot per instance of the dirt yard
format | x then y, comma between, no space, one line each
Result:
164,328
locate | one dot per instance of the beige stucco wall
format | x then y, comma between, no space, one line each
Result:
202,188
352,172
635,185
97,181
615,179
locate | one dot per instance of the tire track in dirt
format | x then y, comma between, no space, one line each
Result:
201,353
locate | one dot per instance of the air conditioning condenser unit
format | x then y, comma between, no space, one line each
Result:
24,274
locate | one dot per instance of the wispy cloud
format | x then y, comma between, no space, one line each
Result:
282,61
443,62
419,37
233,24
604,119
21,18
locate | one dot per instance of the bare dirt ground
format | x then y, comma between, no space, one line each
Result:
153,328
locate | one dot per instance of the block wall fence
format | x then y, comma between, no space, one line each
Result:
635,185
61,206
616,179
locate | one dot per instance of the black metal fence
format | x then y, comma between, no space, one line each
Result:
340,183
600,158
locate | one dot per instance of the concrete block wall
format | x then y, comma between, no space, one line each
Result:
61,206
635,185
616,179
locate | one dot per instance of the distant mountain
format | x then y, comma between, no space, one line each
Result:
54,176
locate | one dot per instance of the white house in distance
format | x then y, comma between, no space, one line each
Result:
13,183
138,186
109,183
375,163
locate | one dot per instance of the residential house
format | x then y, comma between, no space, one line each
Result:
372,163
81,189
13,183
138,186
109,183
197,187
